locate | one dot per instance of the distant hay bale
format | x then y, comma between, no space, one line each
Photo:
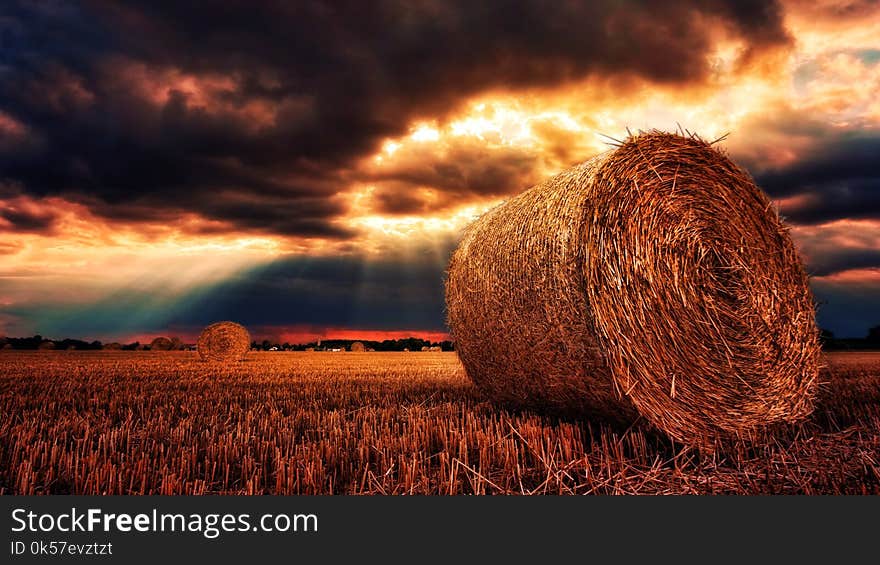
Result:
435,348
46,345
310,349
176,344
224,341
7,346
654,280
425,348
113,346
358,346
71,348
161,344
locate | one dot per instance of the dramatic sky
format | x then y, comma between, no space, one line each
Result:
305,168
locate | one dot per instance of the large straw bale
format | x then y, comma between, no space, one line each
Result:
655,280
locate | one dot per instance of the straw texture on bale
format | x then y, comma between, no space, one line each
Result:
655,280
224,341
161,344
358,346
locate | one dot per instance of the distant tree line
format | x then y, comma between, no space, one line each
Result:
406,344
39,342
827,338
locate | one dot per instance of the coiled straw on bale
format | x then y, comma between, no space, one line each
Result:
224,341
654,280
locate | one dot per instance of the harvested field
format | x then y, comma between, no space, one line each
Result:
117,422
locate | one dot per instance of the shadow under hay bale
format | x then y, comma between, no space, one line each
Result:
654,280
224,341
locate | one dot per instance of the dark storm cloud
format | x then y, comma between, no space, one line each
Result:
833,261
400,199
349,291
463,171
352,291
837,179
179,106
842,11
20,220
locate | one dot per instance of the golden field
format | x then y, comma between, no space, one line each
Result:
116,422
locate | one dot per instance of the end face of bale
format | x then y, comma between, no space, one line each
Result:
224,341
357,347
700,300
656,279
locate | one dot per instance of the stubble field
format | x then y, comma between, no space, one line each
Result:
381,423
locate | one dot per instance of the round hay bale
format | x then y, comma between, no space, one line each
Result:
113,346
358,346
46,345
224,341
654,280
161,344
